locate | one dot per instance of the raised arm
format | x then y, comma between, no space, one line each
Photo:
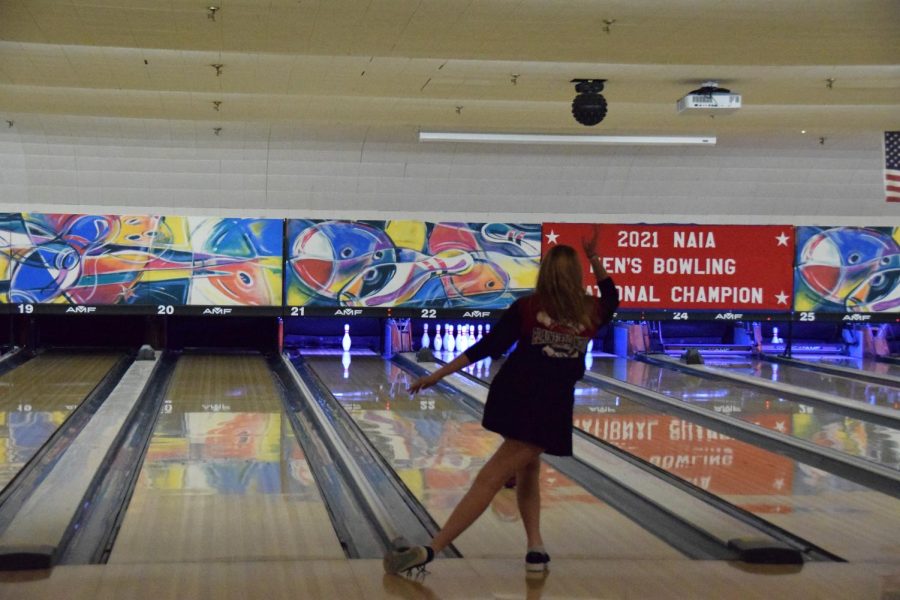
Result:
590,250
609,293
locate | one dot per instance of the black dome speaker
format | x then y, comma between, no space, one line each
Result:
589,106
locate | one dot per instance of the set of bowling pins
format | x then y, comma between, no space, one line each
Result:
466,336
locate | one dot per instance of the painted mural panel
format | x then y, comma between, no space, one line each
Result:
410,264
130,259
847,269
4,253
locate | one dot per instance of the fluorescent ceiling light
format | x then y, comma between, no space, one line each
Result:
537,138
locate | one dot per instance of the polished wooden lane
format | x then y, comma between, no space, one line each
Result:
843,386
36,397
457,579
814,422
42,520
436,448
224,478
842,517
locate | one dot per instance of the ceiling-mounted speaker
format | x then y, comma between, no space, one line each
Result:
589,106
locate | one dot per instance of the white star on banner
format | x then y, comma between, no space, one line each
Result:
782,297
780,426
782,239
779,483
551,237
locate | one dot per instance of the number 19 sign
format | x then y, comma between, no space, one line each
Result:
688,267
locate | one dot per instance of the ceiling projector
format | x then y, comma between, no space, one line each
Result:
709,99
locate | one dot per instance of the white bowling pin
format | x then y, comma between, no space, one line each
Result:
459,338
448,330
438,341
450,342
471,336
487,328
590,346
345,342
426,340
775,339
480,331
588,361
345,360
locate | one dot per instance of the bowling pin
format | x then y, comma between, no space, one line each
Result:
426,340
447,328
588,361
775,339
480,331
450,342
590,346
345,341
487,328
459,338
345,360
438,341
471,336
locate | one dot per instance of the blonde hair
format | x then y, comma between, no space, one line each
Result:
560,290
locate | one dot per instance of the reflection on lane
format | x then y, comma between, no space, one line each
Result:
838,385
223,475
863,364
876,443
836,514
847,519
35,399
436,448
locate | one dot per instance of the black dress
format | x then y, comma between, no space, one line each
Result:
531,397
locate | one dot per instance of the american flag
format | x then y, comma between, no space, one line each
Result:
892,166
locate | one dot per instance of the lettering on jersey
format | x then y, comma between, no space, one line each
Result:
558,344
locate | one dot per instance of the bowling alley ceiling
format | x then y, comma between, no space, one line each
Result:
824,66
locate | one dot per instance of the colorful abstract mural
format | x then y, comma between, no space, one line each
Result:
847,269
114,259
411,264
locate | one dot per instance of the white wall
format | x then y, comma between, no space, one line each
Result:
131,166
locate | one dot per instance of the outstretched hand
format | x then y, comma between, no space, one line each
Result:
422,383
590,246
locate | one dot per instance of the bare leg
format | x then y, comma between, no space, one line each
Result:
511,456
528,496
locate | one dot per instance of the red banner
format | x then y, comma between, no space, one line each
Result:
682,267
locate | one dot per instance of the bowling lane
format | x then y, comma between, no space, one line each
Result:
436,448
868,365
855,437
224,477
838,385
37,397
847,519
